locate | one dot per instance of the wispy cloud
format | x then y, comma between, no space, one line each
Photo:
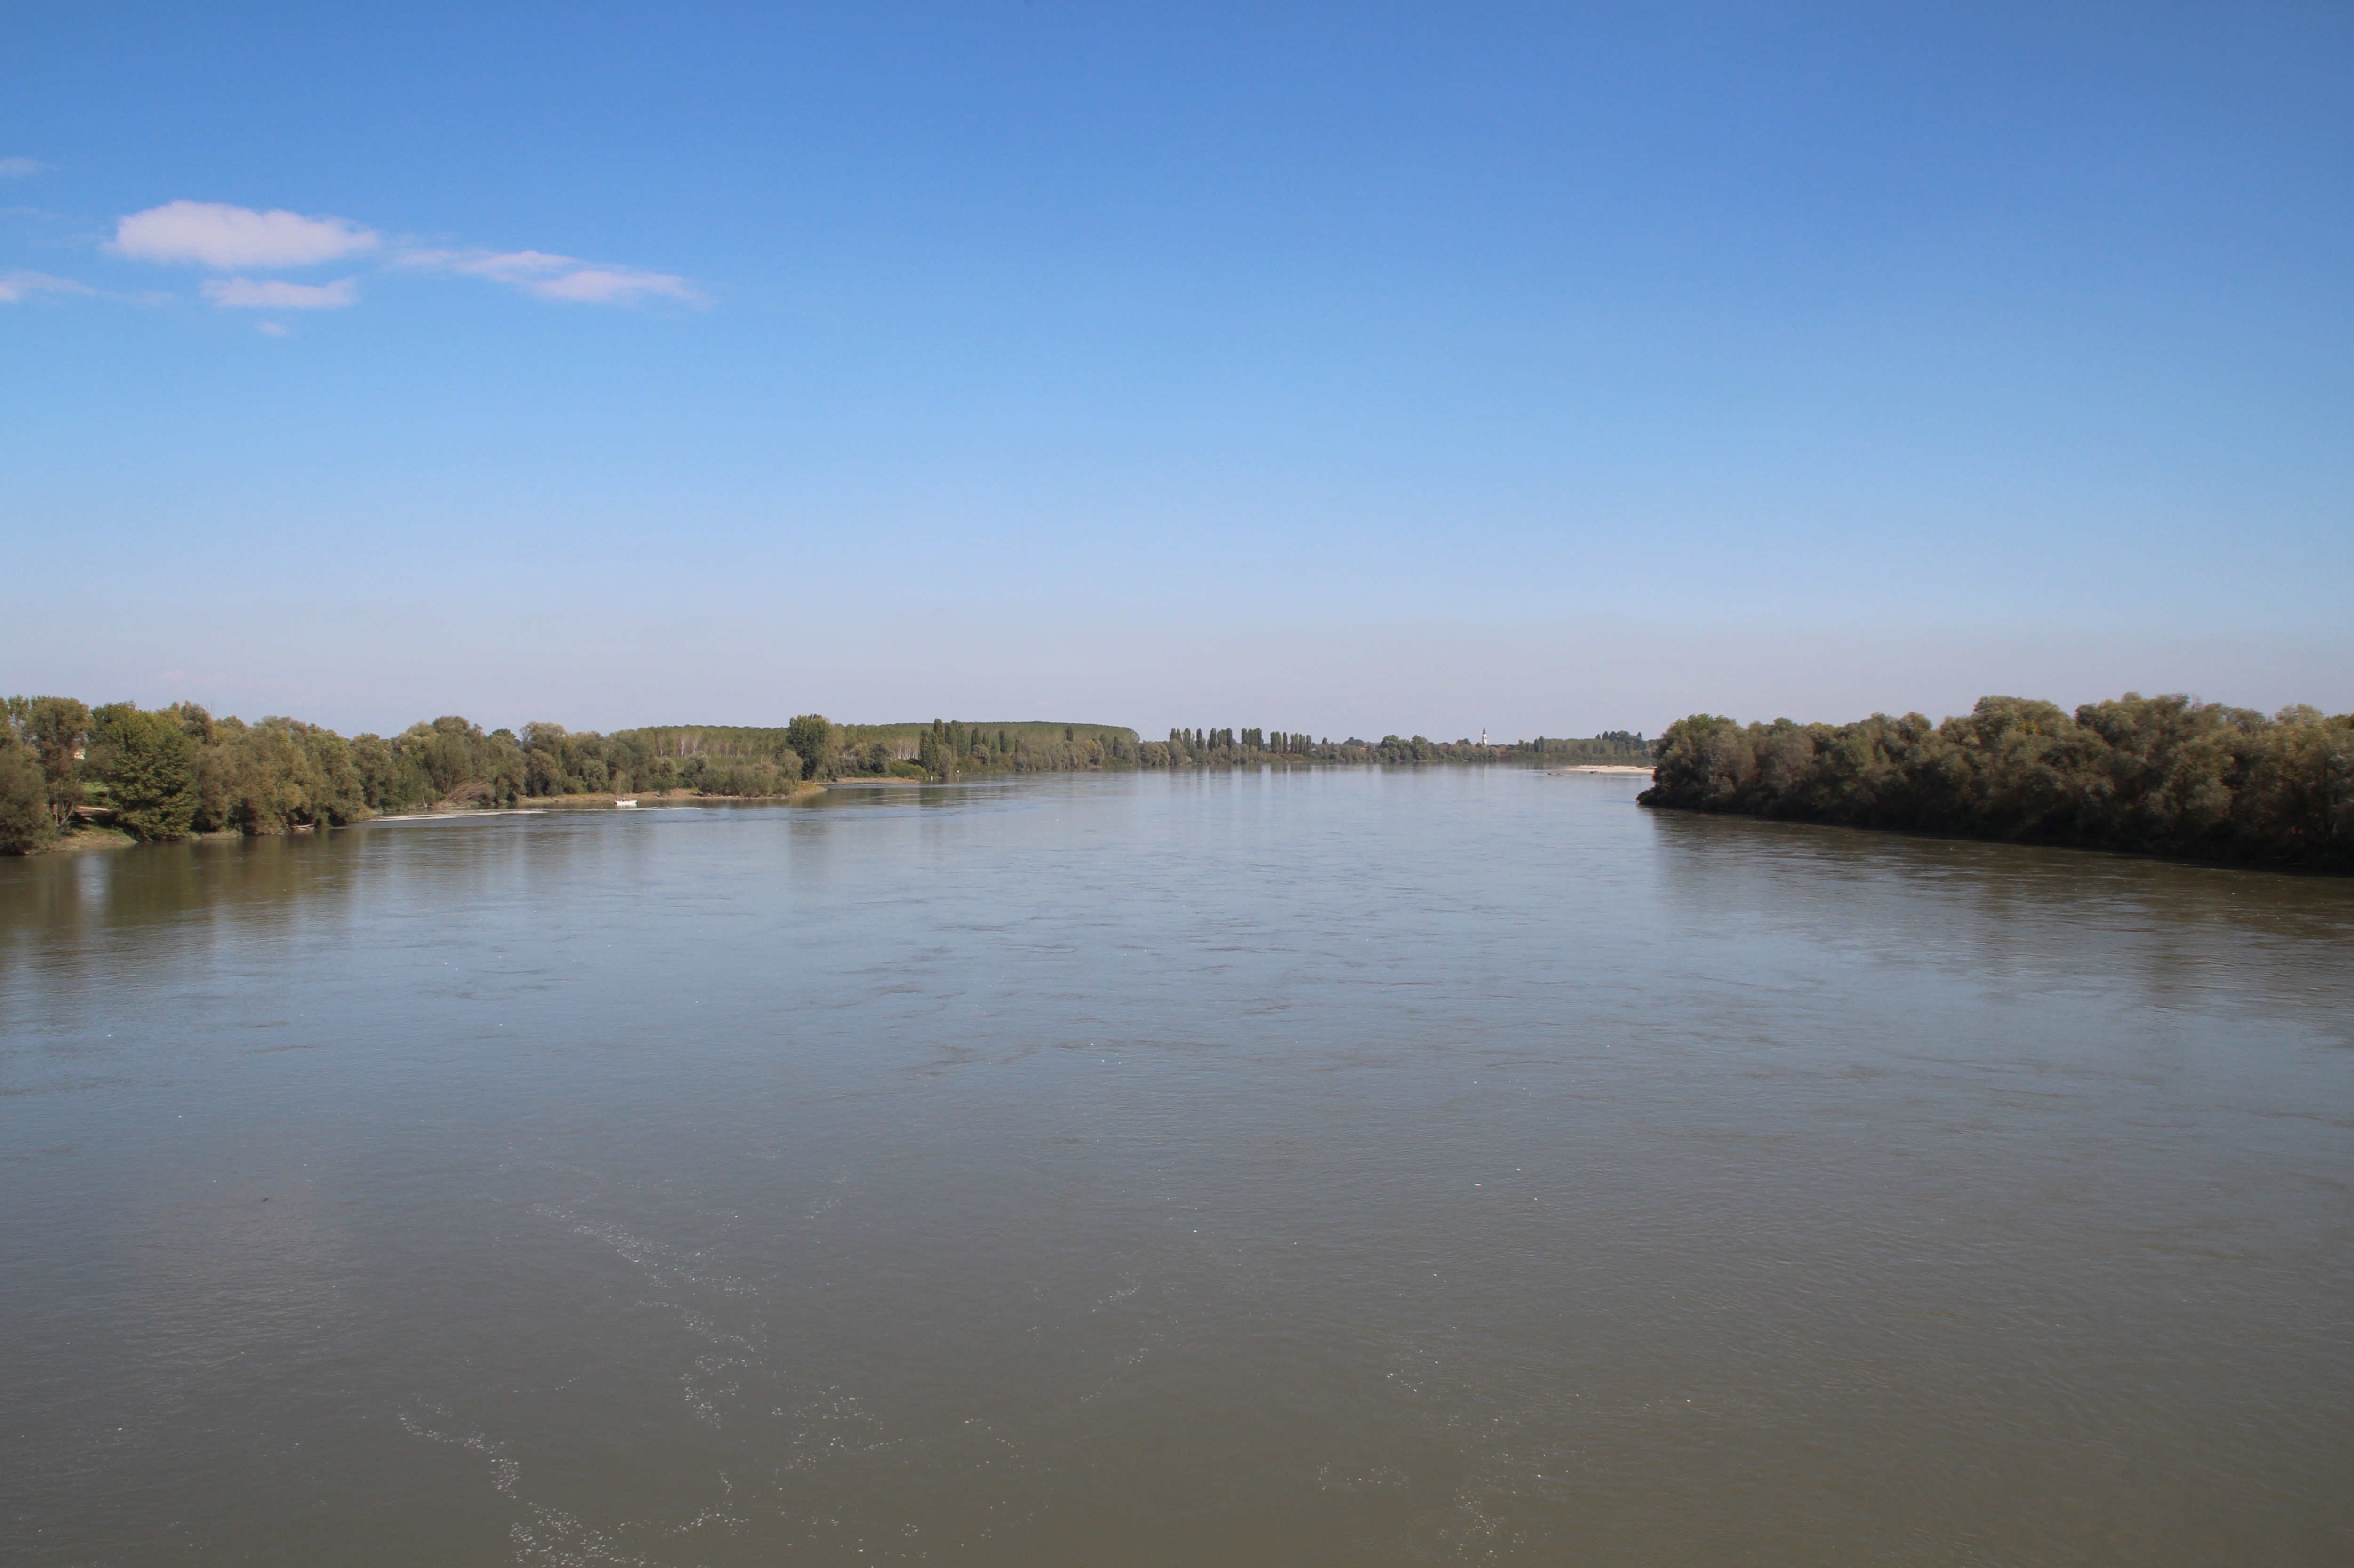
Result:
21,168
276,294
214,234
558,277
611,285
18,286
239,239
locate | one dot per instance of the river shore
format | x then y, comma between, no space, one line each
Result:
608,801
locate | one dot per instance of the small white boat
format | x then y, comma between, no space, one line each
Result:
625,804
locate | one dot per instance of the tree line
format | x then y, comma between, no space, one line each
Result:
2163,775
948,749
165,773
168,772
944,748
1252,748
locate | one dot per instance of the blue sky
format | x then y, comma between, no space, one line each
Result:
1347,369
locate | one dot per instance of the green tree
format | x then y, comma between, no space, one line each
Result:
57,729
24,821
148,766
810,738
934,754
446,749
2164,774
387,780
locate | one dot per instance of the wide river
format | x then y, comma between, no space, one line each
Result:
1310,1168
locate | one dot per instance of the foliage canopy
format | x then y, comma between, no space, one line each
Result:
2165,775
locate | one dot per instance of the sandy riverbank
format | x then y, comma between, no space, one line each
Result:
542,804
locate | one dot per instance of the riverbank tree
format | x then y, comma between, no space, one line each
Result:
148,762
24,821
2165,775
168,772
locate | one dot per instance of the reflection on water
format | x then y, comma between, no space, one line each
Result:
1307,1167
2180,927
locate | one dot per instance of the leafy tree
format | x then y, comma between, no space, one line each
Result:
57,729
147,763
810,738
934,752
449,749
2164,774
389,782
24,821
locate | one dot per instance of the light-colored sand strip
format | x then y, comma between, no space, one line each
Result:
464,816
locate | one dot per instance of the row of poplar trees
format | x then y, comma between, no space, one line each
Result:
1245,748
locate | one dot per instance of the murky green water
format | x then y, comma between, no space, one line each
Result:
1330,1168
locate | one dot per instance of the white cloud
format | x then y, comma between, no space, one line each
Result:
275,295
238,239
16,286
20,168
215,234
610,285
271,329
558,277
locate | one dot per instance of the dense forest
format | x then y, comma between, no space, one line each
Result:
166,773
2164,775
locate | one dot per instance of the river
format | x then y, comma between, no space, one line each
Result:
1329,1167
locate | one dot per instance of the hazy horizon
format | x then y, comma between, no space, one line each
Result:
1608,681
